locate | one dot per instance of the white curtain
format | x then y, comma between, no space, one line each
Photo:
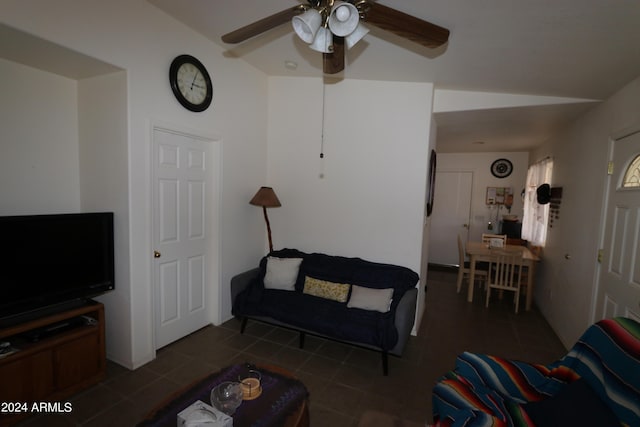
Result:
536,216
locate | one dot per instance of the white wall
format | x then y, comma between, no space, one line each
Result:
480,165
366,198
369,202
565,287
142,40
102,129
426,226
39,164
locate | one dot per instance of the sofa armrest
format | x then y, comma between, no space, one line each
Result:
405,317
241,281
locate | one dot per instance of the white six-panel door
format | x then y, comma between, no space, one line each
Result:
619,284
450,217
183,189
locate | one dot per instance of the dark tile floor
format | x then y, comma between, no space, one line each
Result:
343,381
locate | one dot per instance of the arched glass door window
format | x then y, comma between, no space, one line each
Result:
632,175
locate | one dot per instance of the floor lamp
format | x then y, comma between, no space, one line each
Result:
266,198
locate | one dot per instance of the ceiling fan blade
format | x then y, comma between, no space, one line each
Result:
333,63
404,25
265,24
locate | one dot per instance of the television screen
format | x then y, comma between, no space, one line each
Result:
50,259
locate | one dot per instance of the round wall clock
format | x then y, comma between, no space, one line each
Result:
190,83
501,168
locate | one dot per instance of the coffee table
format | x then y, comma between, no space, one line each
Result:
283,402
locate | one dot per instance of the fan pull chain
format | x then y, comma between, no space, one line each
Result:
322,130
321,175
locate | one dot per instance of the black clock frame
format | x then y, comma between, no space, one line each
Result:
173,80
501,168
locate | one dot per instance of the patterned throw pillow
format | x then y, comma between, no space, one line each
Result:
324,289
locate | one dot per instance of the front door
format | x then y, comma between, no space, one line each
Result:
183,194
450,217
619,284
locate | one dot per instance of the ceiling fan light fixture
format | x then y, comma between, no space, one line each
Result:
356,36
307,25
331,26
323,41
344,19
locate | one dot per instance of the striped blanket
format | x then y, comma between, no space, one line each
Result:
486,390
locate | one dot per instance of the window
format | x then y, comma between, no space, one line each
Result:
536,216
632,175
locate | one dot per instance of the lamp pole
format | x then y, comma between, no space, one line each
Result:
266,219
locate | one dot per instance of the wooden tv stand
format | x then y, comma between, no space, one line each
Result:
59,355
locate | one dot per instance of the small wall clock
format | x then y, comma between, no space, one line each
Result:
501,168
190,83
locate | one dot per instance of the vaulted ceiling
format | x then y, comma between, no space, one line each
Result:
583,49
527,67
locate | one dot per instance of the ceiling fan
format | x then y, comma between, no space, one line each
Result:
327,25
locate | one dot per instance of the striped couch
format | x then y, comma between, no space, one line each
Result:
486,390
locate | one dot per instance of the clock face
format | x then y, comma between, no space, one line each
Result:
501,168
191,83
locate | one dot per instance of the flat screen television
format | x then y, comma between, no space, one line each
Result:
49,261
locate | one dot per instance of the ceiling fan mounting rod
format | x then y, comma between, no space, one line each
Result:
320,4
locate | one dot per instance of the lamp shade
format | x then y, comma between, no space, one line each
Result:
323,41
343,19
266,197
356,36
306,25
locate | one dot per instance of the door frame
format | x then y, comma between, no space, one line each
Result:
213,299
615,136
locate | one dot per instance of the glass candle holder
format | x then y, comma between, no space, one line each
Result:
227,396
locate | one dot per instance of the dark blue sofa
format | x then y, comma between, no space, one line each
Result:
386,332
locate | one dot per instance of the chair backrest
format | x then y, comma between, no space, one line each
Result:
495,240
487,237
504,269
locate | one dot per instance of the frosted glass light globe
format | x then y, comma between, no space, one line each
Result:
343,13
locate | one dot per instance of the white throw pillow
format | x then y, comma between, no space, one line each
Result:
370,299
282,273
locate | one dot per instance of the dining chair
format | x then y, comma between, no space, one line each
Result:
490,238
505,274
464,268
537,251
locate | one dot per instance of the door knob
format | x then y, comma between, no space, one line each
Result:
156,254
465,225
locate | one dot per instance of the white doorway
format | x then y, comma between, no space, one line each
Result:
185,198
619,282
451,215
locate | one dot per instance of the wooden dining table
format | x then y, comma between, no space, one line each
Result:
480,251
